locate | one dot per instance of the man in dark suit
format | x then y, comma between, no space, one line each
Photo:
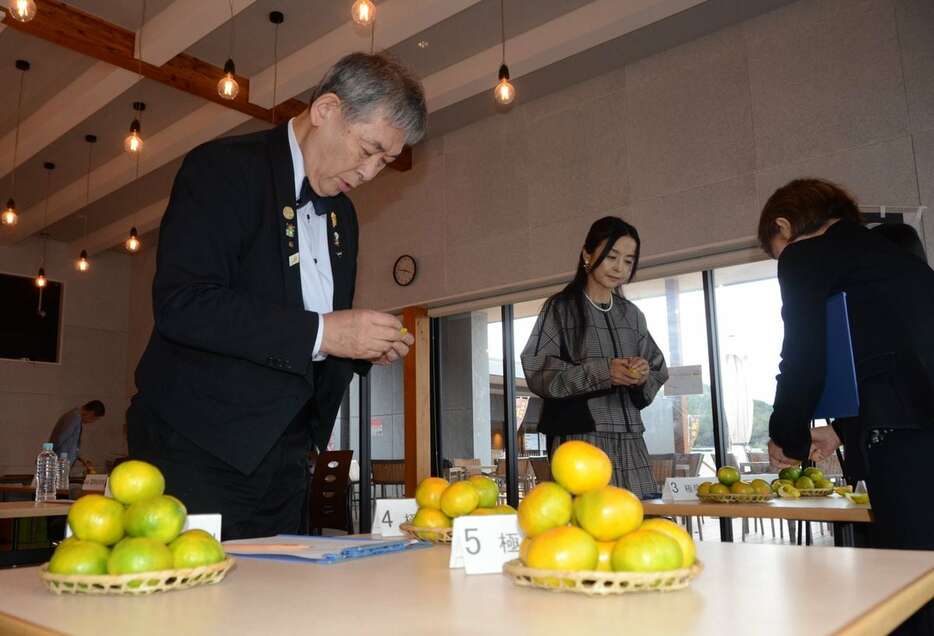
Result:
255,340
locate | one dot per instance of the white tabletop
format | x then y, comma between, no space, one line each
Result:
744,589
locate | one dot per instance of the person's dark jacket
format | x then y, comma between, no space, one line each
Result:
890,296
229,362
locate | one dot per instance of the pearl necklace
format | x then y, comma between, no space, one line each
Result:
598,307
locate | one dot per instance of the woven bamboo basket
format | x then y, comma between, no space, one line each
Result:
593,583
135,584
815,492
737,498
433,535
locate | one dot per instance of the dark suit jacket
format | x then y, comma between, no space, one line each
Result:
890,296
229,362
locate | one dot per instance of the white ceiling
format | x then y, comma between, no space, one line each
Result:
550,45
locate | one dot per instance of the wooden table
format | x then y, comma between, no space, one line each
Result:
837,510
744,589
24,509
16,510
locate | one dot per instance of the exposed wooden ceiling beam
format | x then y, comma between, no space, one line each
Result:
401,19
171,31
66,26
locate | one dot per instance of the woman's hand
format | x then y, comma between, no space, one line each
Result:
778,458
628,371
824,441
621,374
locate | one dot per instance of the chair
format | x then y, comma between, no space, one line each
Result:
542,469
662,467
472,465
387,472
327,501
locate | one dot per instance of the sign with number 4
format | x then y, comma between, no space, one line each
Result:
390,514
481,545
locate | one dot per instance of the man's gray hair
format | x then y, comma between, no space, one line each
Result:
369,85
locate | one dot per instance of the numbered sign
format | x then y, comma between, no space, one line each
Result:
210,523
95,483
390,514
683,488
481,545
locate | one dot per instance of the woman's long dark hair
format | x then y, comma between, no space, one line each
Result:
609,229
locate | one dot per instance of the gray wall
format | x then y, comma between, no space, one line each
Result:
93,361
687,144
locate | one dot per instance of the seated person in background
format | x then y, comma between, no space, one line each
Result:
66,436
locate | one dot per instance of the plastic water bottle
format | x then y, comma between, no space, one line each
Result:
46,473
64,470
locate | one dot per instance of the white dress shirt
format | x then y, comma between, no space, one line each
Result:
314,259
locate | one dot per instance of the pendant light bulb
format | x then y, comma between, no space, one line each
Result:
9,216
228,87
505,92
40,279
83,264
363,12
22,10
133,243
133,142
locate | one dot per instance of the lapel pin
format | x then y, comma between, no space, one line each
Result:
290,230
333,220
288,213
293,260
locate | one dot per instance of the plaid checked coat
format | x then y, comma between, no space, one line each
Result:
575,382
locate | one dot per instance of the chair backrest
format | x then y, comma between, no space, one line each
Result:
472,465
388,471
327,495
663,466
542,469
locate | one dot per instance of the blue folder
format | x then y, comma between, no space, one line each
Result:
841,395
366,548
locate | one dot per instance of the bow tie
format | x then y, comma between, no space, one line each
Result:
306,195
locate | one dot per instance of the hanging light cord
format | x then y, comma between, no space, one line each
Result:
45,214
87,185
372,37
19,108
502,27
232,30
142,26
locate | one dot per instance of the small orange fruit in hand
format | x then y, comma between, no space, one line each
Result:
579,467
547,506
459,499
428,493
608,513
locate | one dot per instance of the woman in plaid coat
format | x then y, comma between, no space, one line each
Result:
592,359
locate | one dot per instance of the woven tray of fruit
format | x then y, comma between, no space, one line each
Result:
135,584
133,543
598,583
737,498
583,535
794,482
729,488
439,502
